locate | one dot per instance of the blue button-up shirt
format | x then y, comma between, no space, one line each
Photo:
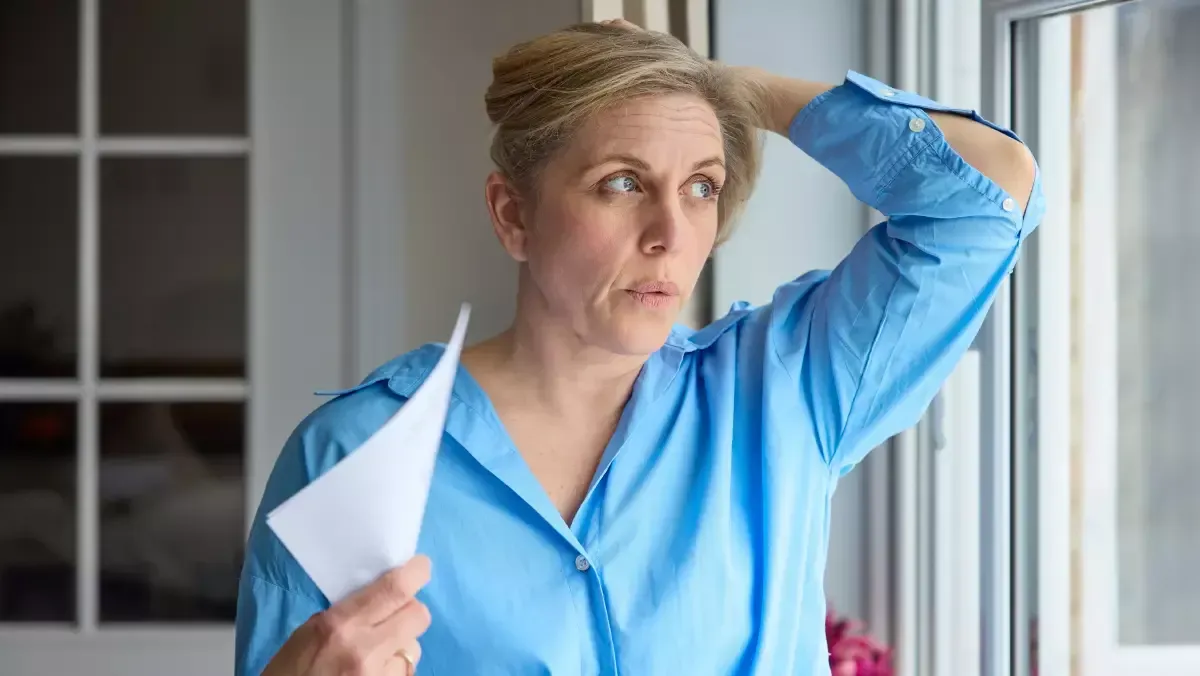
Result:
700,547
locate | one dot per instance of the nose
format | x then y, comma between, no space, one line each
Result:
665,229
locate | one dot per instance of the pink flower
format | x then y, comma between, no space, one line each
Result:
854,654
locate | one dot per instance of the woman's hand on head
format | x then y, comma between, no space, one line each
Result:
368,633
776,99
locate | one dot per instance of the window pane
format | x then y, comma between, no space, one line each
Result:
172,513
38,266
176,67
39,66
173,267
37,512
1158,279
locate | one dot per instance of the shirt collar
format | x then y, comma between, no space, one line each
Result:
405,373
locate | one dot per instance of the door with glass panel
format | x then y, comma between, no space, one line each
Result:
149,280
1106,323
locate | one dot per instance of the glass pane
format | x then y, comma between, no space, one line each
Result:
172,511
37,512
175,67
1158,282
39,66
38,266
173,267
1128,87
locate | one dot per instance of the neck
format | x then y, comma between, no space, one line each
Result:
543,363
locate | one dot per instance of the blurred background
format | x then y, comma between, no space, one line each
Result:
211,208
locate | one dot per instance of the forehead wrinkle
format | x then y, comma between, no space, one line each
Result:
631,129
659,119
633,140
677,107
639,122
637,133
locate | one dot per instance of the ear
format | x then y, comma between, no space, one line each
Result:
504,206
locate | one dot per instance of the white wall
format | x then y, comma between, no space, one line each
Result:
801,217
424,243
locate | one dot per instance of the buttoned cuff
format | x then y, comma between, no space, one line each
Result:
869,134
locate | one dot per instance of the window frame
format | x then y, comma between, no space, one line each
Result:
1076,596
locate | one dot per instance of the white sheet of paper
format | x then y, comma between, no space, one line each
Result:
362,517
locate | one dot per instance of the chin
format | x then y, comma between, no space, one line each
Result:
639,333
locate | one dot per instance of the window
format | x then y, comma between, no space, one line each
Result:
123,287
1106,328
169,300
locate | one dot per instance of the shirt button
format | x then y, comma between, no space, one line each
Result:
888,92
916,124
1007,204
581,563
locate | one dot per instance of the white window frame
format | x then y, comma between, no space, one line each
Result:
950,570
1084,634
955,588
1053,288
297,340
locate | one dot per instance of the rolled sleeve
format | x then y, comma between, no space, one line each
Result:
871,342
883,144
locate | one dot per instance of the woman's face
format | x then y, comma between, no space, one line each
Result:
624,218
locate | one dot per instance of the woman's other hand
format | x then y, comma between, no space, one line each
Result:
373,632
777,98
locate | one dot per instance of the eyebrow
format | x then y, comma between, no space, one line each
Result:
638,163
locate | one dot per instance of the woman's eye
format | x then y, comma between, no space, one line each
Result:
621,184
703,189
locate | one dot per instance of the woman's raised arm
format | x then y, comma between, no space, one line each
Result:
870,342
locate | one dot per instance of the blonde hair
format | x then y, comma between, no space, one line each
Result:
544,89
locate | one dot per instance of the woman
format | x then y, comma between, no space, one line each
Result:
618,495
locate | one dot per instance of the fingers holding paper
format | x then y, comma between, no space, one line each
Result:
372,632
383,598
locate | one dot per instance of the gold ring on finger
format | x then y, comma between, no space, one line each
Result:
408,659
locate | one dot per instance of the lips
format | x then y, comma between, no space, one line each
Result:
658,286
652,300
654,294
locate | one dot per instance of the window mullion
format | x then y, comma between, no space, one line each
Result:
87,507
